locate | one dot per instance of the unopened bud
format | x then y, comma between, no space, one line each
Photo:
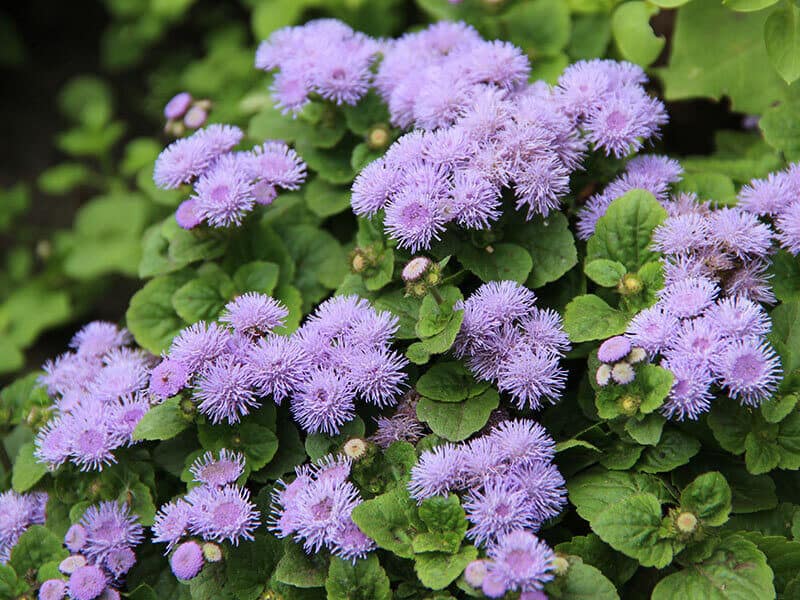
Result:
475,573
637,355
629,404
211,552
378,137
623,373
418,289
196,117
415,268
72,563
355,448
177,106
44,249
187,407
631,284
603,375
686,522
560,565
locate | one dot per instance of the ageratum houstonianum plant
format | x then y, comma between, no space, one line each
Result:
483,406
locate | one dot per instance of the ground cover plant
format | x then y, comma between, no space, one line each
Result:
426,314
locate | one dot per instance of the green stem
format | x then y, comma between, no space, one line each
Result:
436,296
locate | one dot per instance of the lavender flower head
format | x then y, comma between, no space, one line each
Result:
253,313
217,472
518,562
17,513
187,560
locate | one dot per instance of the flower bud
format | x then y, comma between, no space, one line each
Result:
603,375
629,404
475,572
686,522
637,355
212,552
630,285
187,407
355,448
560,565
378,137
72,563
195,117
623,373
415,268
177,106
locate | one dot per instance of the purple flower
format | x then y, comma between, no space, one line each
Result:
582,87
496,510
178,105
377,375
373,187
87,583
415,219
219,138
188,214
541,185
199,344
89,437
322,510
543,330
224,193
225,390
402,426
699,339
519,561
187,560
168,378
53,589
749,369
531,377
343,77
68,372
75,538
738,317
620,123
181,162
682,233
788,225
350,543
124,415
690,395
544,486
218,472
324,402
436,472
71,563
277,366
688,298
53,443
766,197
124,372
119,561
740,233
109,527
224,513
253,313
523,441
171,523
98,338
195,117
653,329
290,92
614,349
752,282
276,164
475,200
17,513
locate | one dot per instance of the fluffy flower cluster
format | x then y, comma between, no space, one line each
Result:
507,339
507,477
617,357
227,184
519,561
649,172
708,326
492,131
102,553
215,510
99,393
402,426
17,513
778,198
340,354
316,510
323,57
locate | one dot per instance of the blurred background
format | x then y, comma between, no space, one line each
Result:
85,85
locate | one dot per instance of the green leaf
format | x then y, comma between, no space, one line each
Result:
27,470
782,38
162,422
539,27
364,580
437,570
602,271
783,557
709,186
417,353
550,244
748,5
596,490
248,566
331,165
391,520
785,335
695,68
633,526
258,443
86,100
781,128
257,276
151,318
212,582
320,260
438,325
371,110
270,15
296,568
709,498
647,431
785,268
588,317
633,34
11,586
581,582
737,570
446,523
202,299
61,179
730,424
595,552
458,421
319,444
673,450
197,244
405,308
623,233
449,382
31,309
324,199
36,547
499,262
